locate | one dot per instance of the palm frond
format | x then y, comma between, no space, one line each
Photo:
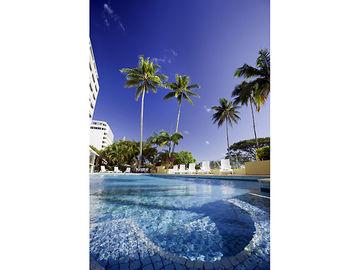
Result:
247,71
191,86
169,95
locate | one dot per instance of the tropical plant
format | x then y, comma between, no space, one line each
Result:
244,94
245,150
227,112
164,139
94,149
260,76
184,157
122,153
180,89
144,77
263,153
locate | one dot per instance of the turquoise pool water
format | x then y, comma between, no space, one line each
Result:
197,219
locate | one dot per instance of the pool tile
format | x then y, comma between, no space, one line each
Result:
218,265
208,266
145,260
234,261
158,265
189,264
155,258
113,267
135,265
179,266
226,263
198,264
124,266
148,267
166,262
169,267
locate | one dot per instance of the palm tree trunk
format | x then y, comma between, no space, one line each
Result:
177,126
141,128
227,137
253,120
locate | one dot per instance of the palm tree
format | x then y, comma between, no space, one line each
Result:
144,77
260,75
227,112
244,94
165,139
181,89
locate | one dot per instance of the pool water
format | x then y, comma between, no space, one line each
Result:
197,219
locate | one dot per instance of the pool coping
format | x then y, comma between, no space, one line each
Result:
208,176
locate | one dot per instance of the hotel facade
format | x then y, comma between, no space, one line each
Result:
93,83
101,134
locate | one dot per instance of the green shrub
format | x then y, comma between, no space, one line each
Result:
183,157
263,153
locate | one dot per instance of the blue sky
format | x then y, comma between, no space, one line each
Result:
204,39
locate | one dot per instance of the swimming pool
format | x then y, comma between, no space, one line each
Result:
155,222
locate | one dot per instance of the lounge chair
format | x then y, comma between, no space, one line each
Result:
191,169
175,169
225,166
128,170
182,169
116,170
205,167
102,169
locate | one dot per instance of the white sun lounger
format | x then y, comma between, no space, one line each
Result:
175,169
116,170
225,166
128,170
191,168
205,167
182,169
102,169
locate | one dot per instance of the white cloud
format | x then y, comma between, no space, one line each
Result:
207,142
173,52
186,132
207,109
108,9
110,17
167,57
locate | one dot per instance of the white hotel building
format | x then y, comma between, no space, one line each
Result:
100,134
93,84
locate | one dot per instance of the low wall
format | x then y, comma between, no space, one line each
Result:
258,167
161,169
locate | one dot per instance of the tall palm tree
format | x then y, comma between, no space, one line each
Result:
181,89
260,76
244,94
227,112
144,77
